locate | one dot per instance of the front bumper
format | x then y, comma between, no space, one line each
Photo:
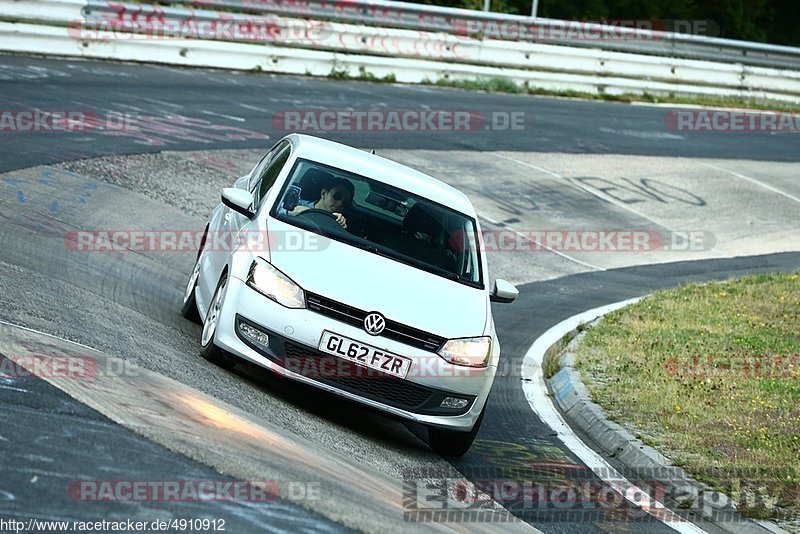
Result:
291,351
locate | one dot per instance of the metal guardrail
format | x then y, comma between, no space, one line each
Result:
391,14
659,72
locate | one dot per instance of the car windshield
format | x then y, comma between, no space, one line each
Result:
381,219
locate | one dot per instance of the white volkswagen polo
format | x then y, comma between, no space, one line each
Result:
357,275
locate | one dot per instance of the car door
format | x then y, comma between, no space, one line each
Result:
226,225
248,230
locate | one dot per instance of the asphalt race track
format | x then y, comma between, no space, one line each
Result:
574,165
212,97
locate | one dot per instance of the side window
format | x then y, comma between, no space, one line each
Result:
268,170
259,170
270,174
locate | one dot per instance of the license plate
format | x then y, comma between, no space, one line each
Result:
364,355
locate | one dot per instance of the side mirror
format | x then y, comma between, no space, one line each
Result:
291,198
503,292
239,200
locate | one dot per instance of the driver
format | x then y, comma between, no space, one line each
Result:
331,198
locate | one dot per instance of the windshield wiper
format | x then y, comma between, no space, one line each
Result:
370,247
427,267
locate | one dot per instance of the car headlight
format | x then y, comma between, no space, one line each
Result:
469,352
275,285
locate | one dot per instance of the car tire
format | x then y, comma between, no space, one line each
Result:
208,349
189,308
452,443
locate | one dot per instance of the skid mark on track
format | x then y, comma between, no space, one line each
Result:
208,430
26,73
36,223
548,461
162,130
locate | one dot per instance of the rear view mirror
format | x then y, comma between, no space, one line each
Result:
504,292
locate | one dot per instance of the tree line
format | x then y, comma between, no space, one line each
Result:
769,21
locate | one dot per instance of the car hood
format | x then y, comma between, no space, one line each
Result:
371,282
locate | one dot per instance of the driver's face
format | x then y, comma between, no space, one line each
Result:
334,199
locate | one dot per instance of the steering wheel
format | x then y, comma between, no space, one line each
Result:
312,211
321,218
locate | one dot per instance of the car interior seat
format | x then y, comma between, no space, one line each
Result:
313,182
425,238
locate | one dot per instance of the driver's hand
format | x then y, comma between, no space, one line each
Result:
340,219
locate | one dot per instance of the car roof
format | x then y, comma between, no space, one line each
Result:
381,169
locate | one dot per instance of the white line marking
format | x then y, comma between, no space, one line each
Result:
589,190
154,101
753,181
554,251
642,134
48,335
694,106
255,108
542,245
490,220
14,389
535,390
127,106
182,72
230,117
540,169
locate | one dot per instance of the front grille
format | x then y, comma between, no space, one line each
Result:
354,316
347,376
367,383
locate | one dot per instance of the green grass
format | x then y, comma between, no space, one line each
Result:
500,85
551,366
364,76
692,369
494,85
